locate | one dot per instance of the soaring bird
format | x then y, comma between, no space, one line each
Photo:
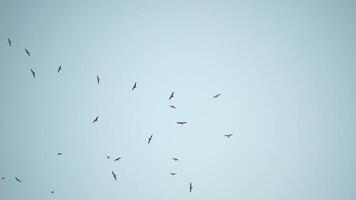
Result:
97,79
181,123
172,95
18,180
135,86
59,154
114,175
228,135
33,73
150,138
117,159
173,174
190,187
28,53
59,68
52,191
96,119
175,159
108,157
216,96
172,106
9,41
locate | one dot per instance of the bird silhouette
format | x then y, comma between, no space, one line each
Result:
108,157
228,135
150,138
59,154
33,73
9,41
172,106
172,95
216,96
52,191
173,174
2,178
59,68
190,187
135,86
181,123
175,159
28,53
97,79
96,119
18,180
117,159
114,175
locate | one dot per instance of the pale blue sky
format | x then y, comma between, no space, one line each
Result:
286,71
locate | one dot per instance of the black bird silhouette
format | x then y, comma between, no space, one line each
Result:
172,95
114,175
228,135
52,191
96,119
2,178
175,159
216,96
108,157
18,180
181,123
172,106
33,73
190,187
150,138
173,174
117,159
97,79
9,41
28,53
135,86
59,154
59,68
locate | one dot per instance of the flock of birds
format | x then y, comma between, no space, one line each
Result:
96,119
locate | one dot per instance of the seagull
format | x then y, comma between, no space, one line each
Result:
33,73
59,68
117,159
8,39
175,159
228,135
114,175
181,123
135,86
52,191
190,187
108,157
97,79
172,106
173,174
216,96
28,53
96,119
150,138
172,95
18,180
59,154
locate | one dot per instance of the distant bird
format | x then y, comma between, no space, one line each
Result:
181,123
173,174
52,191
2,178
59,154
18,180
33,73
117,159
59,68
97,79
190,187
114,175
228,135
172,95
28,53
108,157
150,138
96,119
135,86
9,41
175,159
172,106
216,96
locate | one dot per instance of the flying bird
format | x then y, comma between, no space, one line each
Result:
135,86
228,135
2,178
114,175
18,180
108,157
33,73
28,53
172,95
150,138
52,191
190,187
117,159
173,174
59,68
59,154
97,79
172,106
175,159
9,41
96,119
181,123
216,96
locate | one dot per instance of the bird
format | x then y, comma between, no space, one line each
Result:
2,178
150,138
173,174
172,106
59,154
190,187
52,191
228,135
135,86
9,41
181,123
59,68
172,95
108,157
96,119
97,79
175,159
114,175
28,53
33,73
216,96
117,159
18,180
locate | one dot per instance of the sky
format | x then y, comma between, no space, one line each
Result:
285,70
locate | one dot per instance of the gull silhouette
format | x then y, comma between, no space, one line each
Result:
135,86
96,119
28,53
33,73
172,95
114,175
9,41
172,106
181,123
117,159
228,135
18,180
150,138
175,159
190,187
216,96
59,68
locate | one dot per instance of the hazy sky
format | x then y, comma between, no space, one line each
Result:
286,71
